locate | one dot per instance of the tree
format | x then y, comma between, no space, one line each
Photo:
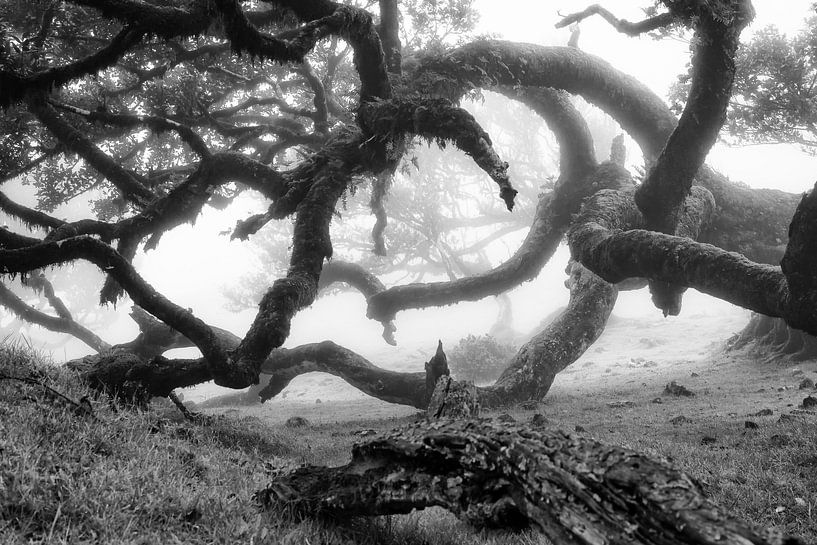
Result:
166,113
164,108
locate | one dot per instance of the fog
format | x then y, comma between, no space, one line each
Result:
195,266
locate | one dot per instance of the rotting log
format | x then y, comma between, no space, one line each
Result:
573,489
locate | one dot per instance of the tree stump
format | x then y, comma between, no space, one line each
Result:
453,399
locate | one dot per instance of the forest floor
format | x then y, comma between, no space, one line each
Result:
152,477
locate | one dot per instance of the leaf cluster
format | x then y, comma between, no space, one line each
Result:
480,359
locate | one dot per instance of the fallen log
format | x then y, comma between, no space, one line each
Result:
573,489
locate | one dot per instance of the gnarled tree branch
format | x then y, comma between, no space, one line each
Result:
622,25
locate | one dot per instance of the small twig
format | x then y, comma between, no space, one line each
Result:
83,406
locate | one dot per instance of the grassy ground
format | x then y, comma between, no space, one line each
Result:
121,476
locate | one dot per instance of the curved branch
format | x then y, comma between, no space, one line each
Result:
14,87
598,242
577,154
491,63
63,324
530,374
640,112
576,181
440,120
669,182
360,279
622,25
131,187
112,263
539,245
328,357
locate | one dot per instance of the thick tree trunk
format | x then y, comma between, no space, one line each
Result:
572,489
